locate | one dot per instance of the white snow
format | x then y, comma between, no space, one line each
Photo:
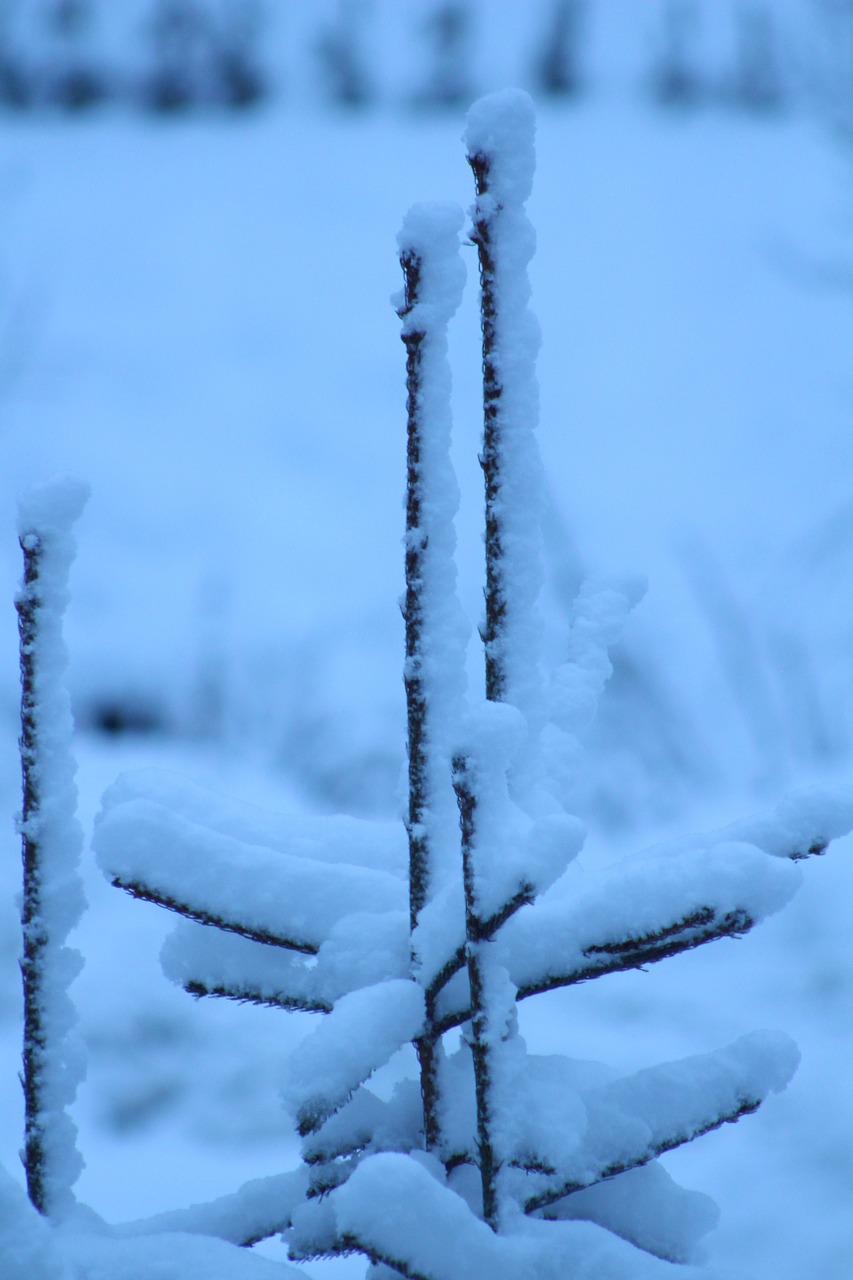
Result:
27,1246
259,1208
46,515
257,890
196,954
332,838
648,1208
362,1032
430,232
500,129
714,420
429,1229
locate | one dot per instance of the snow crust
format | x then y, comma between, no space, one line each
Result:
196,955
46,515
360,951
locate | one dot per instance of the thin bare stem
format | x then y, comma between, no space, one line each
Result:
148,893
35,938
416,700
281,1000
491,458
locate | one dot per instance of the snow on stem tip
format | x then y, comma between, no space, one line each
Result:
500,143
51,844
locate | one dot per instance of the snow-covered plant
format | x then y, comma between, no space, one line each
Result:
486,1160
52,841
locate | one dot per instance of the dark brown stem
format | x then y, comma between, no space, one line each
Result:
417,708
35,937
301,1004
489,1163
147,893
416,701
491,458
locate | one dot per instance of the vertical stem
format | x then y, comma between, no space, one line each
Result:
416,701
491,458
480,1040
433,276
35,939
51,842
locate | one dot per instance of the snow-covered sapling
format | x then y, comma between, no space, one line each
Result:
52,841
492,1160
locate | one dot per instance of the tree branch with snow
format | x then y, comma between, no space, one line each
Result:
51,843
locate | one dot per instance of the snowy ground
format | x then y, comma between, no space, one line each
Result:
197,322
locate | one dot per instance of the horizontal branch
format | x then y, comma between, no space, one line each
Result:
296,1004
145,893
550,1196
634,953
289,899
619,955
629,1121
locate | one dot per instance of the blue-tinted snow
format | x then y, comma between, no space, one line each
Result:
695,401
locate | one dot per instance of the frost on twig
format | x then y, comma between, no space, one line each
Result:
51,838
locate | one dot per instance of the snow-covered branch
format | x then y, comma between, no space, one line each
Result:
362,1032
633,1120
263,894
499,138
485,1037
210,962
51,843
661,903
434,670
436,632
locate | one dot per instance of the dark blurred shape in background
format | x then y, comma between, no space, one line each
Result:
171,56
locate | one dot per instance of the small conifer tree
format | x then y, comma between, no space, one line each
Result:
488,1160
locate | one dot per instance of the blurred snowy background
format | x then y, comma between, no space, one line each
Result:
198,205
